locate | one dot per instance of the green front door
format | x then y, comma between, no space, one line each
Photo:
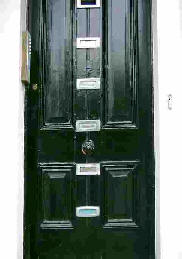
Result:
89,177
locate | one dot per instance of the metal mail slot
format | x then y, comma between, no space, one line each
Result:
88,211
88,3
87,125
88,169
88,43
88,83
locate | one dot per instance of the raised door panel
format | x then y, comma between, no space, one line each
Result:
121,194
56,196
57,63
120,73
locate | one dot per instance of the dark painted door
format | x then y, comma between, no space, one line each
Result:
89,178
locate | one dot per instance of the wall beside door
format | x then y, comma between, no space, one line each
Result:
169,15
168,125
11,132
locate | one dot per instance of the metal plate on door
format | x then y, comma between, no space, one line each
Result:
88,83
87,125
88,43
88,169
88,3
88,211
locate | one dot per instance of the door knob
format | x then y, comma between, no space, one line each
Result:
88,147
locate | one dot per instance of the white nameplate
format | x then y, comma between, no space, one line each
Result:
88,211
87,125
88,4
88,43
88,169
88,83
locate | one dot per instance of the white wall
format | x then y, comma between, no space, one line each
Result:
169,16
169,127
11,132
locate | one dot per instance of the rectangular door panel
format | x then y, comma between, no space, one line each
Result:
56,196
121,194
120,79
57,62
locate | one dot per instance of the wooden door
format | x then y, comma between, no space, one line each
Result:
89,175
